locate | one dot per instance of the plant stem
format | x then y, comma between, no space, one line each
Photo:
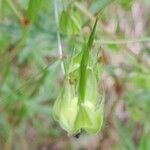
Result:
123,41
58,36
14,9
1,11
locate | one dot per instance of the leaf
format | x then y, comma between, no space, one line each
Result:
84,63
144,143
63,21
74,64
69,24
33,8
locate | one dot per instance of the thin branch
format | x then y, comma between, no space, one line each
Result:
58,35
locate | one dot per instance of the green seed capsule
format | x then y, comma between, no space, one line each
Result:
77,107
90,116
73,115
66,108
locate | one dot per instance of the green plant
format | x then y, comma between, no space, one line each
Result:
80,111
45,52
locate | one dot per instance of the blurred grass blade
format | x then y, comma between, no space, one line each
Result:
33,8
84,63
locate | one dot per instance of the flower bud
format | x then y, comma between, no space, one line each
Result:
66,108
90,116
74,115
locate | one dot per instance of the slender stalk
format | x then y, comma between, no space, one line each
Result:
1,12
14,9
58,35
123,41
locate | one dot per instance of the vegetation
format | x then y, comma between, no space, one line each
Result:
74,74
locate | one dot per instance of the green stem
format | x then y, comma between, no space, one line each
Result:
1,10
123,41
58,36
14,9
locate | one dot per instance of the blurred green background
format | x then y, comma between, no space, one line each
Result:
31,75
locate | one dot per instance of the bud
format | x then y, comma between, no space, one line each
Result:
82,110
66,108
73,115
90,116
